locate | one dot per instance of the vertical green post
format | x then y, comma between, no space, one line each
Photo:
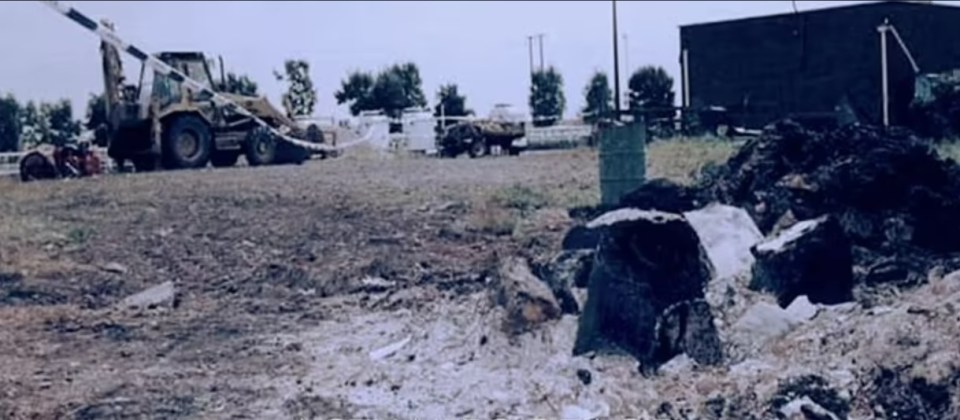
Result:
622,161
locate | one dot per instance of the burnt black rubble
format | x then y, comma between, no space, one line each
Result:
893,196
812,258
647,263
890,191
664,195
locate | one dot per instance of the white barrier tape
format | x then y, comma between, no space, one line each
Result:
111,38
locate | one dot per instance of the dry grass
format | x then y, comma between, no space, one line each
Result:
214,232
681,159
492,218
506,209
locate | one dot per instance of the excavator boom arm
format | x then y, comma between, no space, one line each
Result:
112,73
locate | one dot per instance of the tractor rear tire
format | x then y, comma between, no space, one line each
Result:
260,147
225,159
187,143
35,167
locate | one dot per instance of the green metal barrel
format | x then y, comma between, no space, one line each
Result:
622,161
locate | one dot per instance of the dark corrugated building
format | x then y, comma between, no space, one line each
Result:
815,62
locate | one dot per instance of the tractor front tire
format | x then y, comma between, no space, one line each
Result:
224,159
260,147
187,143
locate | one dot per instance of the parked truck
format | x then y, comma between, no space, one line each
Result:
504,128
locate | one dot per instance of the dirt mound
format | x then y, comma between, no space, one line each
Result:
890,191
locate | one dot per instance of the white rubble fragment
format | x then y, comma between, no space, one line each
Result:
793,233
116,268
369,281
766,321
802,309
678,365
153,296
627,215
795,409
389,350
727,233
880,310
578,412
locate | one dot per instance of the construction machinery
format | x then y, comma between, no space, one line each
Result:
505,129
161,122
57,162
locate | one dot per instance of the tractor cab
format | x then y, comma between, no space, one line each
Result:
155,87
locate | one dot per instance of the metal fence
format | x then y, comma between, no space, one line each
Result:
10,163
558,136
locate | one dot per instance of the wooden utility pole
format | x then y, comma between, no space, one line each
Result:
530,48
540,39
616,63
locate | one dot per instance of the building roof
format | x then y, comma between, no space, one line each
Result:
864,5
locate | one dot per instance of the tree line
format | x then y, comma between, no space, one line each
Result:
31,123
390,90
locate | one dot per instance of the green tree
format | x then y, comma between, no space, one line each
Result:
598,97
48,123
240,85
97,118
301,97
357,90
34,127
61,125
391,90
96,111
651,87
452,102
9,124
547,101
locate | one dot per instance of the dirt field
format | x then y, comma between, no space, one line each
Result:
270,265
358,288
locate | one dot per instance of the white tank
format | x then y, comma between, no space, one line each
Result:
418,129
377,126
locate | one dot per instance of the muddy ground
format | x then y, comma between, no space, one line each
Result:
268,263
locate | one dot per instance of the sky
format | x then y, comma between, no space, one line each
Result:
481,46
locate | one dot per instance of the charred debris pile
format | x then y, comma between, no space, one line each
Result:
895,199
827,216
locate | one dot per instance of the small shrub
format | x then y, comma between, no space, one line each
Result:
521,198
491,218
